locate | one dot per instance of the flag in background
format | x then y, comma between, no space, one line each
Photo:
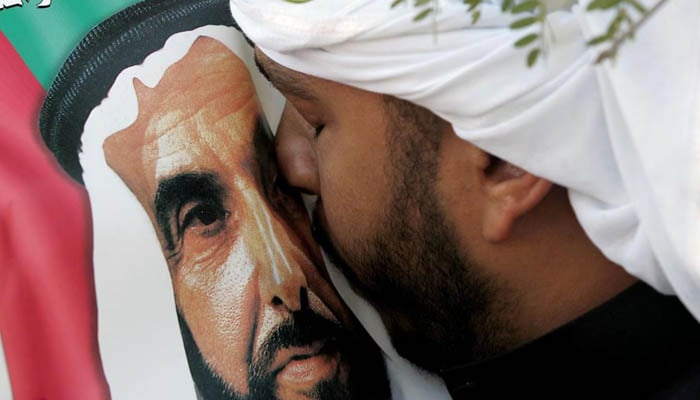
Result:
48,314
44,37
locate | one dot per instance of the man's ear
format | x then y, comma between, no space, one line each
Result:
510,193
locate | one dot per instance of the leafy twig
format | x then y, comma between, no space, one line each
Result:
618,40
529,6
430,8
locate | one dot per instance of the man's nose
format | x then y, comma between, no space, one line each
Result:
295,153
282,282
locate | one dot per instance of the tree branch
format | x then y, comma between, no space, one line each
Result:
612,51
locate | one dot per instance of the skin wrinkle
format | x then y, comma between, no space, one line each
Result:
176,191
247,276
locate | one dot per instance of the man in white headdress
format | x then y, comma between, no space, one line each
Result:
499,217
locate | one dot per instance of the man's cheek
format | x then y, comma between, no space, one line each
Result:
353,164
350,201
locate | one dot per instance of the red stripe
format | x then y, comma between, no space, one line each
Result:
47,302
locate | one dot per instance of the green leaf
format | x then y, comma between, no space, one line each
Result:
419,3
528,5
599,39
602,4
397,2
610,54
421,15
473,5
522,23
506,5
616,23
637,6
525,40
532,57
623,14
475,16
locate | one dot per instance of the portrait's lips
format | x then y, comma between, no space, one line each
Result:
302,368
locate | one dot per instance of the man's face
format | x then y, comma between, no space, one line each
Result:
259,317
386,187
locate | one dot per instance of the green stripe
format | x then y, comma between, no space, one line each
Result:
45,36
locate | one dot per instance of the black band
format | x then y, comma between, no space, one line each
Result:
121,41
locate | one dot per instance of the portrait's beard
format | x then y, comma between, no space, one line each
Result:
439,308
366,378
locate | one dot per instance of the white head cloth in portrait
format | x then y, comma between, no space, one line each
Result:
622,137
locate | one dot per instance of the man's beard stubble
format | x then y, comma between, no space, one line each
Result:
439,308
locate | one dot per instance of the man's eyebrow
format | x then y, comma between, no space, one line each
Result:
284,81
174,192
260,66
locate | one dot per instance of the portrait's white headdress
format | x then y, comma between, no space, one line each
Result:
621,137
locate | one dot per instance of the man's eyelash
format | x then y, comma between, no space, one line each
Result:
318,129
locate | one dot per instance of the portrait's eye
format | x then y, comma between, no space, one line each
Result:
202,218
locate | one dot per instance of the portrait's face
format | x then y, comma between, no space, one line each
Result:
388,183
258,314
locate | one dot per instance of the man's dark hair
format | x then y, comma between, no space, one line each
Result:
401,111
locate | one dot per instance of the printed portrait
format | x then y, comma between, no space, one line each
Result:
179,145
258,316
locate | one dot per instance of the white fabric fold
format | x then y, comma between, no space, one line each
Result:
622,138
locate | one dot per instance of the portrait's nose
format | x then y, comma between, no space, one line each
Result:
295,153
282,282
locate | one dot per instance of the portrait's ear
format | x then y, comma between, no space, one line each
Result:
510,193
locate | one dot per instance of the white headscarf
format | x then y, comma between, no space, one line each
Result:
622,138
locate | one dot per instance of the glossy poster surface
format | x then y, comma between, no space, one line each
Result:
258,318
204,266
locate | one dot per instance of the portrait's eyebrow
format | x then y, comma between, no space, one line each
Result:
283,80
176,191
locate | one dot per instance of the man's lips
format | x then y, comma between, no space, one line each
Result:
302,368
